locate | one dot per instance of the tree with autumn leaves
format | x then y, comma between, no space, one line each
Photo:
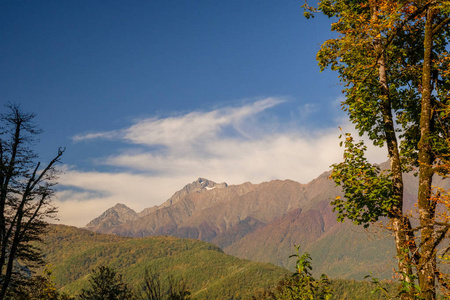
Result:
392,58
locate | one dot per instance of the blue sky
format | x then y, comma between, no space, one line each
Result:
147,96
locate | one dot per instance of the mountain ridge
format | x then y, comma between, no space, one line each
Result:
263,222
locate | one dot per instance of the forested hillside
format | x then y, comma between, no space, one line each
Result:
208,272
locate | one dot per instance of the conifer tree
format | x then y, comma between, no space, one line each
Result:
105,283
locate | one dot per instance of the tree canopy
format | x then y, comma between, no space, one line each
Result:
392,58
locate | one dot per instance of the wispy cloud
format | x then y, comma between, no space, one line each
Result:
185,129
226,144
98,135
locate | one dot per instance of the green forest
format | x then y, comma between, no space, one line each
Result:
203,268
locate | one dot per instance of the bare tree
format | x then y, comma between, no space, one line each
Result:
26,189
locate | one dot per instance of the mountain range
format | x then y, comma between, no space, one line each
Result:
262,222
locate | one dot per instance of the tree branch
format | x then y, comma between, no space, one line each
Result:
439,26
397,29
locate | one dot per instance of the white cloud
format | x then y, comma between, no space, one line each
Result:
91,136
186,129
196,145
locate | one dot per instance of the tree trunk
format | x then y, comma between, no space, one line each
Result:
427,262
399,222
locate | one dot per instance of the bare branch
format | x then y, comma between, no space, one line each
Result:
25,192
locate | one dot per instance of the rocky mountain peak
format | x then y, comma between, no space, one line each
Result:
116,215
198,186
120,206
203,183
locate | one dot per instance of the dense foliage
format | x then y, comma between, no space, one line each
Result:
392,57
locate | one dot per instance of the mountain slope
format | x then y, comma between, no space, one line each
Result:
114,216
340,250
208,271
